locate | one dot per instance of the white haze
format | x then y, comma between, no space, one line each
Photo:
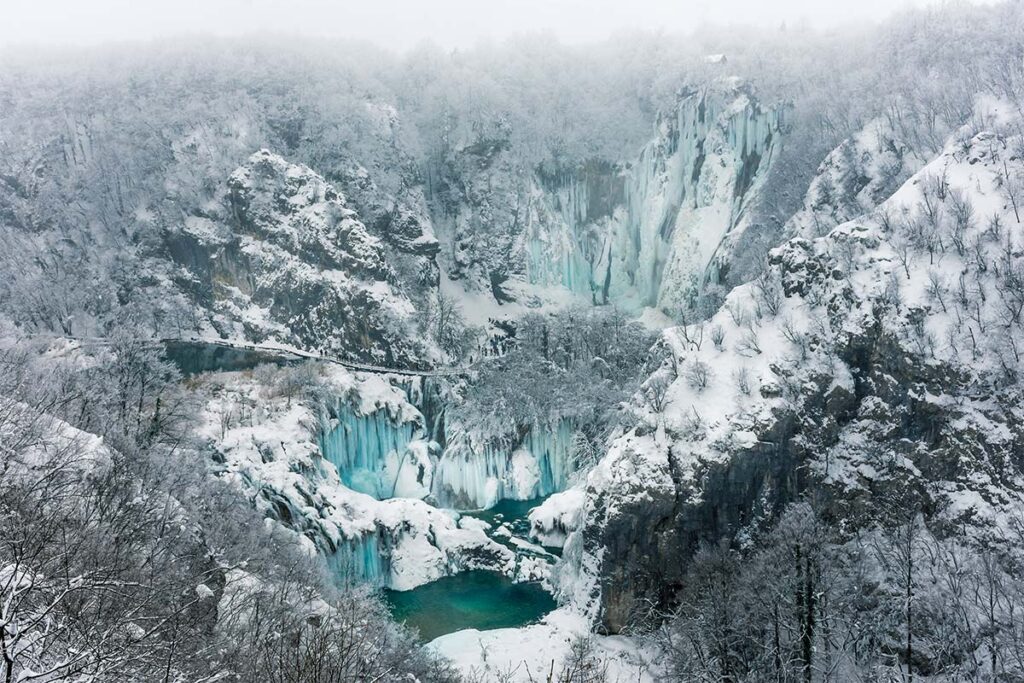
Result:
400,24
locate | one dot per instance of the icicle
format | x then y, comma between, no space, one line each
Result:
560,258
360,559
369,451
470,477
552,450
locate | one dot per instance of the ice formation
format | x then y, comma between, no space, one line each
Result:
649,235
360,559
350,477
476,476
376,455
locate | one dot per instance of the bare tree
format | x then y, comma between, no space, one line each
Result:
900,555
748,344
718,337
582,664
698,374
448,325
741,377
655,391
1011,182
769,293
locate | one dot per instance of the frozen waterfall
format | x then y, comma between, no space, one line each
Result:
648,235
359,559
472,476
376,454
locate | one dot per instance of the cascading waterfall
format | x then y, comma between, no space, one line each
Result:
565,256
384,454
552,449
686,193
563,264
369,451
635,236
670,211
471,476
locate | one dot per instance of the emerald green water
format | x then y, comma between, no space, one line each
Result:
475,599
512,512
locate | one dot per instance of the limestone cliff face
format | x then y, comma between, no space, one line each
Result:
871,370
287,260
396,212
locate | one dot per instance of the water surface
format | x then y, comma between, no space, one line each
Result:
475,599
515,513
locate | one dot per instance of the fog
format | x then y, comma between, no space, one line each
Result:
400,24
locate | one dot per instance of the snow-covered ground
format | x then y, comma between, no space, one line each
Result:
530,653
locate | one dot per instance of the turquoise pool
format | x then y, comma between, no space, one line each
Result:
475,599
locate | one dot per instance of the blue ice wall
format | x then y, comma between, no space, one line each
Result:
565,255
552,448
567,266
623,259
470,477
361,446
359,560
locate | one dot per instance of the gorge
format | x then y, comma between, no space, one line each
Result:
653,360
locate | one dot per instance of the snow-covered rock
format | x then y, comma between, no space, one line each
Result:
861,173
288,261
553,520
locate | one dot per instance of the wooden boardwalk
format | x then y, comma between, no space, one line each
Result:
286,353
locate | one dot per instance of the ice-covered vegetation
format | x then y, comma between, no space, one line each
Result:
122,560
574,365
809,602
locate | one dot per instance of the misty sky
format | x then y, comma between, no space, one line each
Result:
399,24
